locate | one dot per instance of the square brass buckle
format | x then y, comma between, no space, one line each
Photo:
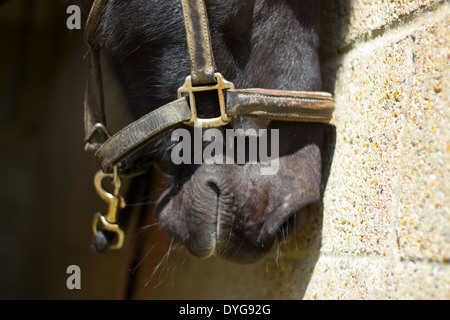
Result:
220,86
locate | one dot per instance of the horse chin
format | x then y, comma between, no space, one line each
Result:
209,230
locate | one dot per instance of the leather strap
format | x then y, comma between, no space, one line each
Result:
258,103
94,111
139,133
282,105
93,20
198,41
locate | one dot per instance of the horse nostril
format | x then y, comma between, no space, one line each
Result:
215,188
207,194
210,200
202,216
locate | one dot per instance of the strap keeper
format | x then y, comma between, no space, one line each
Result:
95,139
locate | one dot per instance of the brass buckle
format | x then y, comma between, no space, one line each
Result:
221,85
115,201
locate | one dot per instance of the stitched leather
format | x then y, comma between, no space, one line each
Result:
139,133
198,41
280,105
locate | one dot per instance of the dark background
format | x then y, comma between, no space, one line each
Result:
47,199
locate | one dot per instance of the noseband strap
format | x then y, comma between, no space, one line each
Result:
136,135
297,106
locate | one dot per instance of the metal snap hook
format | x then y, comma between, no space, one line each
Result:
115,201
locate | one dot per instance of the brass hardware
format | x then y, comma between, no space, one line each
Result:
221,85
115,202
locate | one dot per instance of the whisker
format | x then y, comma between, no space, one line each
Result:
163,261
134,269
149,199
175,264
146,227
278,251
141,203
280,259
170,264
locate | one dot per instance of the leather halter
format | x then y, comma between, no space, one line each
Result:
114,151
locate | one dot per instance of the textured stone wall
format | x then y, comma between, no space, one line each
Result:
383,230
386,222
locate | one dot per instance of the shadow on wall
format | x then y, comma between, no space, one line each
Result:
335,21
335,15
334,26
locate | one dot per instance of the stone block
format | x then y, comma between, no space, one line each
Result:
424,173
345,22
371,85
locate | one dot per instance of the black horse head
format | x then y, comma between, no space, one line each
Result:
228,210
